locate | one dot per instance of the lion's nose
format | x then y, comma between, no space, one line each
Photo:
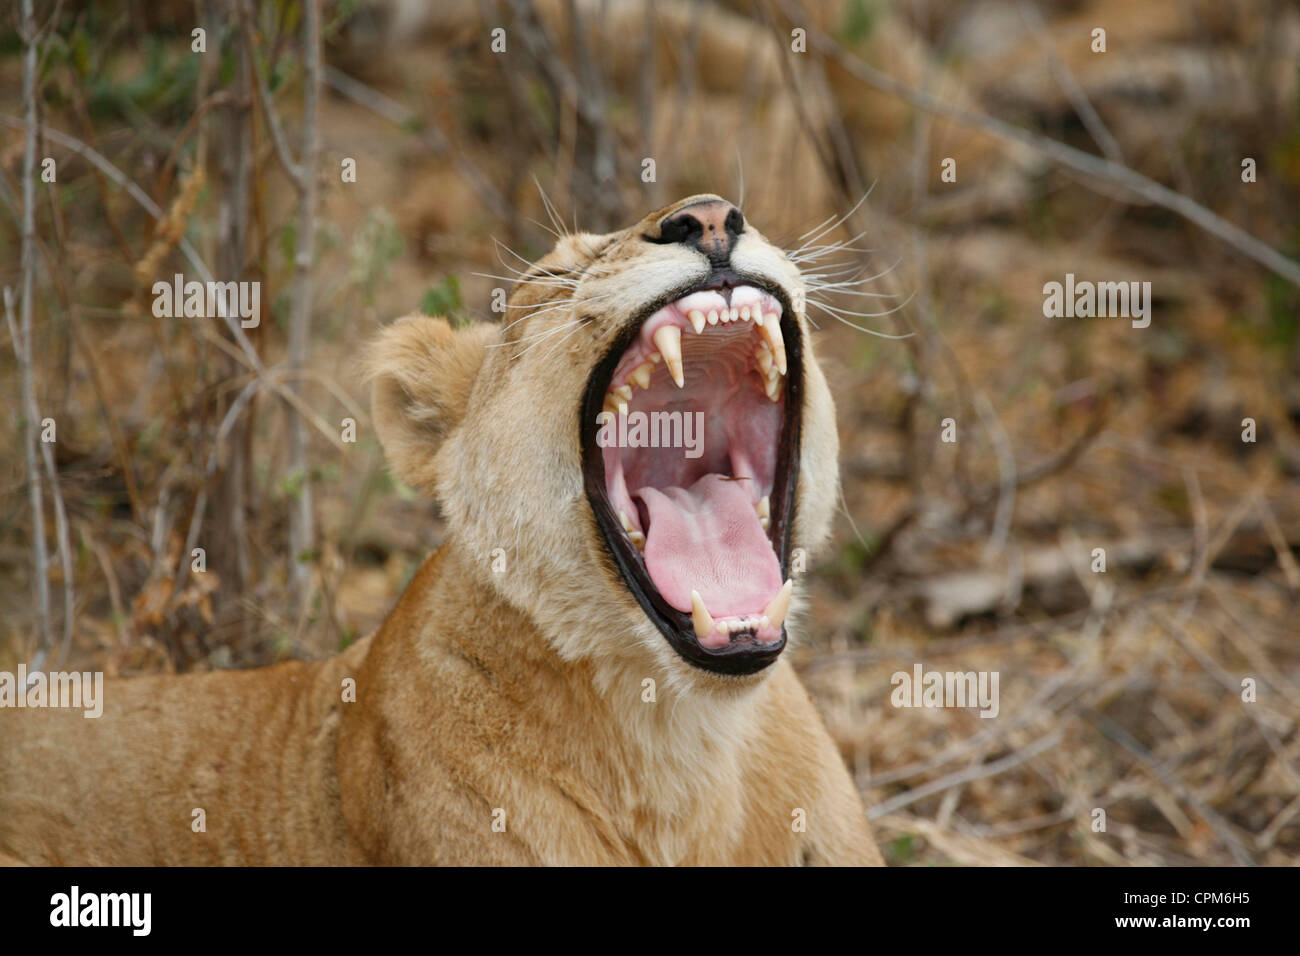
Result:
711,227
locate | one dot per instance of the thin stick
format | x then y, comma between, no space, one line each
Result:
22,333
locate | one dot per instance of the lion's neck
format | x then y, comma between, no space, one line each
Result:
656,750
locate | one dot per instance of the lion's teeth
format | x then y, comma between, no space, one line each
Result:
772,385
697,320
635,536
764,356
776,610
771,332
641,375
764,509
713,317
668,339
700,616
744,313
623,392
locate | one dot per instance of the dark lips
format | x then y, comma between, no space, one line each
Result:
742,655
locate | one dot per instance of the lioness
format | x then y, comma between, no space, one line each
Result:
588,671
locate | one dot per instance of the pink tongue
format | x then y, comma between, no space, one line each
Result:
707,538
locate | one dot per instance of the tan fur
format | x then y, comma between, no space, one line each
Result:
512,697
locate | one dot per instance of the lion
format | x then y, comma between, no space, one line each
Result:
589,670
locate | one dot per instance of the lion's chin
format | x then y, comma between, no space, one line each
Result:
691,473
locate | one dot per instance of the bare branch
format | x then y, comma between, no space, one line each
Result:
294,170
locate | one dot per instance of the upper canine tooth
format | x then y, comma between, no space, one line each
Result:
697,320
700,616
668,339
775,611
771,332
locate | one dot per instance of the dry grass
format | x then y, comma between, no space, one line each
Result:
1119,691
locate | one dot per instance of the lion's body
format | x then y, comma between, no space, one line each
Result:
449,735
517,706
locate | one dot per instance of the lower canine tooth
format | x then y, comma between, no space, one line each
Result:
697,320
775,611
635,536
700,616
668,339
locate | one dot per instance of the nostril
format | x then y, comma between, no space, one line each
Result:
735,221
682,228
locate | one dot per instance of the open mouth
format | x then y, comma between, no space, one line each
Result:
690,453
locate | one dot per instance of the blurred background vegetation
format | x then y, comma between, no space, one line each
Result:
1120,690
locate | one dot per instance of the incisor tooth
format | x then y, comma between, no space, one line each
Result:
744,313
668,339
713,317
775,611
700,616
697,320
771,332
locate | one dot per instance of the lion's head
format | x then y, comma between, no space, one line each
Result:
544,440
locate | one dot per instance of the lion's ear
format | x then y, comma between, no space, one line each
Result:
421,372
